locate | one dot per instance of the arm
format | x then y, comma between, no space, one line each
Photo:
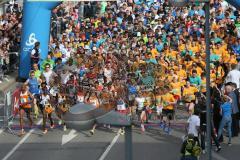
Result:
26,82
31,96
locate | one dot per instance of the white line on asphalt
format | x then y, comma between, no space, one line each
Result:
1,131
103,156
21,142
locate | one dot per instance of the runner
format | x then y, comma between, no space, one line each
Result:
168,107
33,84
46,108
25,99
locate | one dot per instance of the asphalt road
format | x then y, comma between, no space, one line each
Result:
103,145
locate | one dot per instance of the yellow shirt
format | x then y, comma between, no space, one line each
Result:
182,73
188,64
181,47
199,71
57,55
189,91
171,54
154,53
176,88
233,60
203,87
168,98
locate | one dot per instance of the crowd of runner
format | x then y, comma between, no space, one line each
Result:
143,58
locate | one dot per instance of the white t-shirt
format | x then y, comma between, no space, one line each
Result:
234,76
47,76
65,77
45,99
108,73
194,122
140,102
121,107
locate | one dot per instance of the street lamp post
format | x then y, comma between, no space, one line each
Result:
207,39
183,3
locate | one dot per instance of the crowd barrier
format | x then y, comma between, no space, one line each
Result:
9,98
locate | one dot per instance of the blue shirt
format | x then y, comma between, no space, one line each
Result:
159,47
195,80
132,89
33,85
226,109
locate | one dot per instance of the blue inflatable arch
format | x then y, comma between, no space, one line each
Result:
36,27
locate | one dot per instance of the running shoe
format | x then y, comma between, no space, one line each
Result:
203,151
92,132
218,148
167,130
64,128
22,132
122,132
60,122
142,128
45,131
229,144
161,125
52,126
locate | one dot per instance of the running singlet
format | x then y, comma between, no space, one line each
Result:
44,100
140,102
24,99
33,85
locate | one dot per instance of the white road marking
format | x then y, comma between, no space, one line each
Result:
103,156
1,131
67,138
21,142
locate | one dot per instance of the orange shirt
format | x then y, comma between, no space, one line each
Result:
24,100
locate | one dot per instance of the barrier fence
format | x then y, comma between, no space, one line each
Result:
9,105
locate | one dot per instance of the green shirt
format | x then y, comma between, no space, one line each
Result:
47,61
37,73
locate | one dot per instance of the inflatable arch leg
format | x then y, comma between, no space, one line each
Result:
36,27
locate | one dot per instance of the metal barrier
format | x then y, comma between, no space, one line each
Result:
8,105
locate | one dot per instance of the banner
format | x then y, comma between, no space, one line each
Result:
15,99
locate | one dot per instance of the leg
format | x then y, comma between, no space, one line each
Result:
51,120
221,126
93,129
229,125
215,139
44,114
21,113
28,113
203,133
143,118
